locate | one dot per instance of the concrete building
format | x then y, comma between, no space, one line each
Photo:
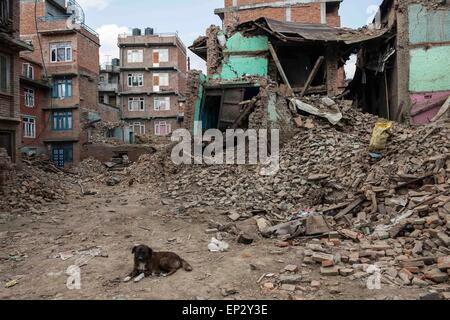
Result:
404,75
152,81
69,52
108,86
35,92
10,70
236,12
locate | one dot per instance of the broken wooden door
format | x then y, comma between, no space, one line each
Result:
231,107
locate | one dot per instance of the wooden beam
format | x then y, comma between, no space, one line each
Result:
444,109
280,68
312,75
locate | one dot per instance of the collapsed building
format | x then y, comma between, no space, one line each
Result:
404,74
253,69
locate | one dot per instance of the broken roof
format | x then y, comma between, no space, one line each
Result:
290,31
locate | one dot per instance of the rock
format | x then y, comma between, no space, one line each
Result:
332,271
269,285
234,216
419,282
406,276
315,284
290,279
345,272
437,276
245,239
443,263
112,181
320,257
228,291
444,238
291,268
317,177
288,287
328,102
431,296
262,224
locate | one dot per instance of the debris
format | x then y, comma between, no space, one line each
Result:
11,283
218,246
245,239
332,114
291,268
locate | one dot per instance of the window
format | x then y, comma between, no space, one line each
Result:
28,71
62,88
138,128
162,104
136,104
135,80
29,127
162,128
29,98
160,55
60,52
62,120
135,56
160,80
5,12
4,73
102,78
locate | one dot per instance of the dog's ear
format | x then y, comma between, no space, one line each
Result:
133,251
150,252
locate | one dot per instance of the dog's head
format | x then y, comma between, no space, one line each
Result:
142,253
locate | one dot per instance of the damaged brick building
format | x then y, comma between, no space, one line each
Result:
404,75
236,12
270,61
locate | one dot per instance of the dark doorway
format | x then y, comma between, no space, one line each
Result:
62,154
6,142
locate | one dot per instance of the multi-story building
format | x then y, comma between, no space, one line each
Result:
108,86
300,11
34,97
10,69
69,52
152,81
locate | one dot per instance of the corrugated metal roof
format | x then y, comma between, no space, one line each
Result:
311,32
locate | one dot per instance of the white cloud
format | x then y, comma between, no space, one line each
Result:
109,34
93,4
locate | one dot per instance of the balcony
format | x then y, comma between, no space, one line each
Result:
62,23
108,87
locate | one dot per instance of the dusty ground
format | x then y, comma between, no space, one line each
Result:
118,218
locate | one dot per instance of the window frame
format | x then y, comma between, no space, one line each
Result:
141,126
68,88
139,80
54,48
6,87
157,103
159,124
131,57
30,97
162,58
63,120
5,14
141,106
25,72
29,126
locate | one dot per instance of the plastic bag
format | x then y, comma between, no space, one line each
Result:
218,246
380,135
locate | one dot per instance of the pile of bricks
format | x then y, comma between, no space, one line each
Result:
6,168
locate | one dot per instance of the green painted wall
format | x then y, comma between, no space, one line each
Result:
198,102
430,69
239,43
426,25
235,67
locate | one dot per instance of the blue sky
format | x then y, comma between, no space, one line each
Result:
189,17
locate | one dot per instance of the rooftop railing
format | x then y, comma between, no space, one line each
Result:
67,17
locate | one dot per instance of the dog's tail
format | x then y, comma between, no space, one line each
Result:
186,266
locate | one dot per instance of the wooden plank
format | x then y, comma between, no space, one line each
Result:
444,109
350,207
280,68
312,75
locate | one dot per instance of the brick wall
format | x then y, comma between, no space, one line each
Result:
302,13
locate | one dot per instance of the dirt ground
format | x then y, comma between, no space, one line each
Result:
118,218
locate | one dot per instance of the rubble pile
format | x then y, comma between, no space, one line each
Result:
90,168
101,132
6,168
37,183
152,168
389,208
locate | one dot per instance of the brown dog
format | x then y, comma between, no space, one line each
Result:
149,262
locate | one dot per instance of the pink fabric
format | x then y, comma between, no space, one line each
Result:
421,101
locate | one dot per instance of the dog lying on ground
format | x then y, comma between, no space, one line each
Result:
150,263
